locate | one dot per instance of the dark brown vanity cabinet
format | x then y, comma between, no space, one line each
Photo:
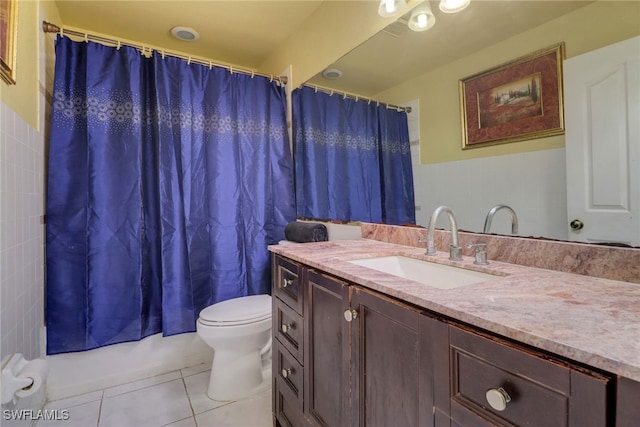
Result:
346,356
366,359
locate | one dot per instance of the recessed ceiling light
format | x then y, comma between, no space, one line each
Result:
332,73
186,34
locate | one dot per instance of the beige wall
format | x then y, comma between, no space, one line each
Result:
23,96
588,28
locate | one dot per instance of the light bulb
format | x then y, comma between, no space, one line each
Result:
389,6
452,6
422,20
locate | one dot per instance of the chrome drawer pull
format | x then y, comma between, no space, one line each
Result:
287,282
286,372
498,398
286,327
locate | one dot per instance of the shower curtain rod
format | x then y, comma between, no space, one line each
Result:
356,97
48,27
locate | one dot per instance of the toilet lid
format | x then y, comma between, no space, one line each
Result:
236,311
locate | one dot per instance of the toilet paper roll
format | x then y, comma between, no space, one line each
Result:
36,370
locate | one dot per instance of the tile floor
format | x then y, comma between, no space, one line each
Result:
176,399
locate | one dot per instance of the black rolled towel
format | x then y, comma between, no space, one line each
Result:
303,232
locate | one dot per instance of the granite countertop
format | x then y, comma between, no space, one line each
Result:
589,320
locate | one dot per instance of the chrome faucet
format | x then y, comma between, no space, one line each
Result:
492,212
455,251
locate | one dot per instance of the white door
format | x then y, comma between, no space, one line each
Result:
602,124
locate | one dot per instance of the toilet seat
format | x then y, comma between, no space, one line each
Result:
237,311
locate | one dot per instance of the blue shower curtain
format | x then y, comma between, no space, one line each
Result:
352,159
166,182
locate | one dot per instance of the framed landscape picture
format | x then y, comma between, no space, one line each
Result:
519,100
8,35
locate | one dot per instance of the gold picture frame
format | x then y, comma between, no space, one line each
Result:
8,39
515,101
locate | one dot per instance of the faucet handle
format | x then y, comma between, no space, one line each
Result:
481,253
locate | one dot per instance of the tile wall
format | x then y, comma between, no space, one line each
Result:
21,235
22,208
533,184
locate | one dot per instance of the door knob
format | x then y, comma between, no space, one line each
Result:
286,372
576,224
350,314
286,327
287,282
498,398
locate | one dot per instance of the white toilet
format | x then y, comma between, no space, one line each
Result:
239,331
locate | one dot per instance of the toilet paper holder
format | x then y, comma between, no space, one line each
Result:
18,380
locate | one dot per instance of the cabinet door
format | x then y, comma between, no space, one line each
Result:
628,403
385,361
434,372
326,351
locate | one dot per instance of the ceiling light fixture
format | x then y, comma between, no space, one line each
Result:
422,18
186,34
332,73
389,8
453,6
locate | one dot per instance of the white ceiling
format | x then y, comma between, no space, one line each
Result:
245,33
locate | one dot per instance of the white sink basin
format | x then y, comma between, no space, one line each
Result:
429,273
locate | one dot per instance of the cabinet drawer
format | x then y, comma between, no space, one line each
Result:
288,329
286,407
509,385
287,283
288,370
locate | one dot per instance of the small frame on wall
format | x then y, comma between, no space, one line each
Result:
515,101
8,39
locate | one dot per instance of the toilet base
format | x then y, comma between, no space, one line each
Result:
235,376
